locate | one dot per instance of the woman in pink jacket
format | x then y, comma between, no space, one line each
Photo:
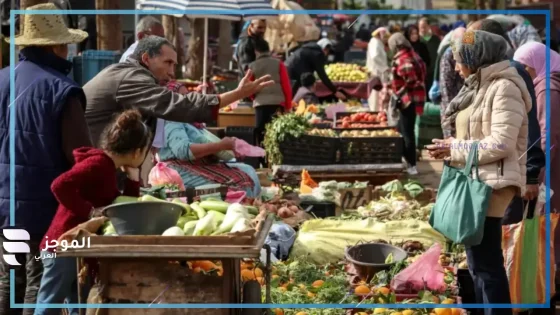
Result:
533,56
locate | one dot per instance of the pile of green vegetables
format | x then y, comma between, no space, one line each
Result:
209,217
280,129
395,208
396,187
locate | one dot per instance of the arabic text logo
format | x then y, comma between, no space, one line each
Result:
16,245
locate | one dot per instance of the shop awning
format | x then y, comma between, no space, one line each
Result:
234,10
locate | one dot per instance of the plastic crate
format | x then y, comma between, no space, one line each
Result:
93,61
309,150
375,150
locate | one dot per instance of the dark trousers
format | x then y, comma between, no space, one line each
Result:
486,265
263,116
27,280
514,213
406,123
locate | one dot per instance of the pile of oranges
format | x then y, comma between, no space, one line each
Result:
250,272
206,267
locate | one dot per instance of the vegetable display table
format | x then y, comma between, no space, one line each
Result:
360,90
152,269
376,174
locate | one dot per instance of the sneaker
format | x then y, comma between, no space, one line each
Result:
412,170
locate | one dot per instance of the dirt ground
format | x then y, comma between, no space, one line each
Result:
429,171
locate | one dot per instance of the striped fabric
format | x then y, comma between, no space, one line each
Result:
213,8
524,246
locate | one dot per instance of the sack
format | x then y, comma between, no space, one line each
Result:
462,203
425,273
522,243
163,175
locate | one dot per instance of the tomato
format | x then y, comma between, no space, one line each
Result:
345,125
371,119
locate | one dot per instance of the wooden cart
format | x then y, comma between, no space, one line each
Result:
152,270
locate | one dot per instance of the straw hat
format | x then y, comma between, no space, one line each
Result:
46,30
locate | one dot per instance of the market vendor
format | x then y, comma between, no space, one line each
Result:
311,57
189,142
188,151
137,84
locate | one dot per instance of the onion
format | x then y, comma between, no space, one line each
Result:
294,209
284,213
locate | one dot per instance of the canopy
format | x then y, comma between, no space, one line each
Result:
191,6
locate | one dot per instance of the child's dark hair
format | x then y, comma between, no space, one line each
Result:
126,134
307,79
261,45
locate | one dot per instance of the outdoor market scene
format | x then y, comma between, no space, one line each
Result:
380,164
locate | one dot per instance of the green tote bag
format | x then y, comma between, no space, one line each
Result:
461,203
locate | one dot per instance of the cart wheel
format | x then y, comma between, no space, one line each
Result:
252,295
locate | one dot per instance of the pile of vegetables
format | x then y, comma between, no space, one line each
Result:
280,129
396,208
282,208
206,218
396,188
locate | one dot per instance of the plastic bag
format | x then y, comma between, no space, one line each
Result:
160,174
242,148
235,196
424,273
541,201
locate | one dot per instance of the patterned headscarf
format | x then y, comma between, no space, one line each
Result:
478,49
534,55
522,34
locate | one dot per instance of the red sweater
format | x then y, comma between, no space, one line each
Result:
91,183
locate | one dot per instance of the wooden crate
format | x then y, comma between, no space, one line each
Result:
427,196
352,198
155,281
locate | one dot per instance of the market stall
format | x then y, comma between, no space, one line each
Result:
353,79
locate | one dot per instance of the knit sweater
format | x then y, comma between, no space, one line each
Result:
91,183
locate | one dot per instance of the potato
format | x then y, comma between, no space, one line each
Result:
294,209
284,212
273,209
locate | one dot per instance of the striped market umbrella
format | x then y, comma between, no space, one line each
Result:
244,10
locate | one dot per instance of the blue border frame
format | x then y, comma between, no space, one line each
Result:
274,12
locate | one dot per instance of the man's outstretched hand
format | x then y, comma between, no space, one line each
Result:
248,88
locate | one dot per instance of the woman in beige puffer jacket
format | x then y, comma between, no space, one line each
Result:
491,108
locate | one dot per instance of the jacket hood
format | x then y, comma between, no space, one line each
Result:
504,70
85,153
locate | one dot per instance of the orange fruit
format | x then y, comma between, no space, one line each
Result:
311,294
383,290
197,270
301,286
379,311
396,313
443,311
301,313
318,283
408,312
456,311
247,275
362,289
260,280
448,301
275,277
258,272
278,311
247,265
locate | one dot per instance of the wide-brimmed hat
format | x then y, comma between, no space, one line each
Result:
46,30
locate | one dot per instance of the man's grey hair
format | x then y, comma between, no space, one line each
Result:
151,45
146,24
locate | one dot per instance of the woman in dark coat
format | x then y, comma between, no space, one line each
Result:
411,33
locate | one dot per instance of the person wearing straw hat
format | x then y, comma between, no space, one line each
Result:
49,125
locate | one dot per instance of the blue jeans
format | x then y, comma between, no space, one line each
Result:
486,265
58,285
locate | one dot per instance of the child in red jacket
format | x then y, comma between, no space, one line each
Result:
90,184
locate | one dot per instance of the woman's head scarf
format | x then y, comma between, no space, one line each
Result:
398,41
522,34
381,33
409,30
475,49
534,55
478,49
458,24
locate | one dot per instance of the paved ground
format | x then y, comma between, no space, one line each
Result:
429,171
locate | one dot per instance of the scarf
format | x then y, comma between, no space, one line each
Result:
464,99
533,54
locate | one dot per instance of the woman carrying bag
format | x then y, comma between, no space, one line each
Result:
489,114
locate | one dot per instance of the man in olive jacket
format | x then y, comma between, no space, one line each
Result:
137,83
